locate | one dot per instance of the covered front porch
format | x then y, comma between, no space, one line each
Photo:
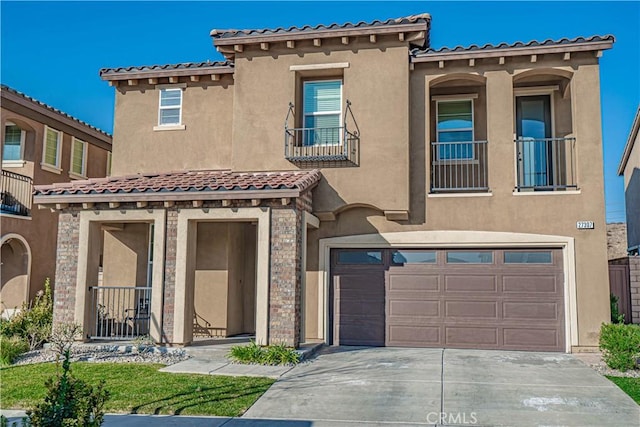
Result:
183,256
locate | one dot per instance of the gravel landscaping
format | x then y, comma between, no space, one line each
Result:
594,360
109,353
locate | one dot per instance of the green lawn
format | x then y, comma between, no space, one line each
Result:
631,386
140,388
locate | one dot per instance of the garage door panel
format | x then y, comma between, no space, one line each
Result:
534,283
406,335
465,336
359,307
473,283
484,310
417,309
532,310
413,282
530,339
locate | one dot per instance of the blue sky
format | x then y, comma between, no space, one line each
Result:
52,51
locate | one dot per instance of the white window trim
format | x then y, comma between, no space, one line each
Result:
20,162
172,126
325,113
72,173
46,166
473,132
315,67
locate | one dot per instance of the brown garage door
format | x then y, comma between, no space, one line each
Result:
489,299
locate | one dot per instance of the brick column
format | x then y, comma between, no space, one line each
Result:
285,276
634,285
67,267
170,275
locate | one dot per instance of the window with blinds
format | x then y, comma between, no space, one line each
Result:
455,129
78,156
13,139
170,112
52,142
322,102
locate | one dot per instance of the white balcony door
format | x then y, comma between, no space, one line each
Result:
533,130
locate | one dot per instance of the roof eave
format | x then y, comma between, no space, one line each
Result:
511,51
52,199
311,34
630,143
185,72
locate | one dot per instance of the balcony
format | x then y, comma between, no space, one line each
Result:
16,194
546,164
331,146
458,167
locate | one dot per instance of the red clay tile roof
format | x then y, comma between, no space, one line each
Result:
221,36
185,68
422,52
192,185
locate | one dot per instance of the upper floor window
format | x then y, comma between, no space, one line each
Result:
78,158
52,148
322,101
454,129
13,143
170,112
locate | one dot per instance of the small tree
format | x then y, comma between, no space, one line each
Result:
69,400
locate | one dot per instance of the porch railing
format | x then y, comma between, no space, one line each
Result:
119,312
16,193
322,144
459,167
545,164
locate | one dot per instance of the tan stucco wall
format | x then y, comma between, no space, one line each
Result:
205,143
224,278
632,194
125,255
40,232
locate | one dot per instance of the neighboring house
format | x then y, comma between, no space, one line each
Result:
630,169
348,184
40,145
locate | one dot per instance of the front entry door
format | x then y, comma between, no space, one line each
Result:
533,132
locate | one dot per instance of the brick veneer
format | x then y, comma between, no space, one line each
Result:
67,267
634,284
285,276
168,305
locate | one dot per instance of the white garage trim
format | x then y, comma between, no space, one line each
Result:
449,239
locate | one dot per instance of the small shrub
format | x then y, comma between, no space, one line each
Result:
69,401
620,345
10,348
616,316
277,354
63,336
33,322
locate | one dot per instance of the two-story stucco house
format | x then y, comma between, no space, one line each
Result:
348,184
40,145
629,168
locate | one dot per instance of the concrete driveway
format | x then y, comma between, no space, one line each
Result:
445,387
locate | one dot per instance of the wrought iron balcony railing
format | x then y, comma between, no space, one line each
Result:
545,164
459,167
16,193
337,144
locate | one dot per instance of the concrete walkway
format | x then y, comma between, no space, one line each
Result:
212,360
447,387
